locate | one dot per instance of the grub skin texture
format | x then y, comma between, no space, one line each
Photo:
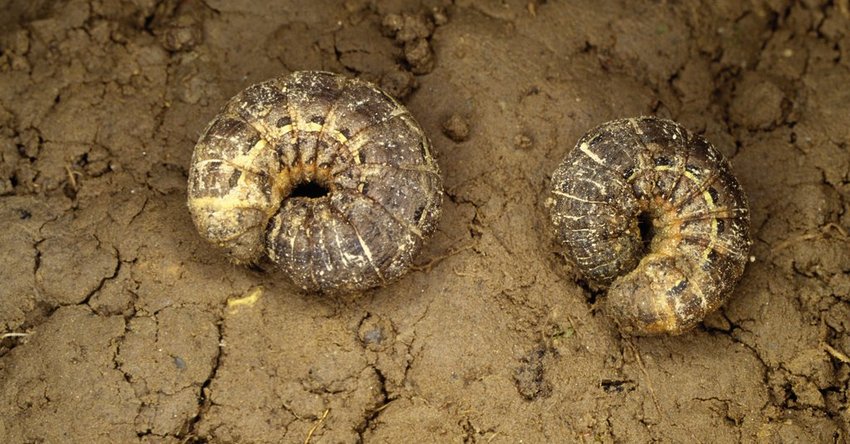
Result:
328,176
652,212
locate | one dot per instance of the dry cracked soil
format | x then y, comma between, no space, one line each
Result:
119,324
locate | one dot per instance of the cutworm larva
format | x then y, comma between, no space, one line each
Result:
653,212
328,176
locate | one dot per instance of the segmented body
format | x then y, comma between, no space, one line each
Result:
651,175
380,186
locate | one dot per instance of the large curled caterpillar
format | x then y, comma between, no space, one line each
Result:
653,212
328,176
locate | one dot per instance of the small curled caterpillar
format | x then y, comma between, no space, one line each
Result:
653,212
328,176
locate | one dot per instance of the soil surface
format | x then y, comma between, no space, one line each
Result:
121,325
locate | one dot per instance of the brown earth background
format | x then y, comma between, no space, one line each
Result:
121,325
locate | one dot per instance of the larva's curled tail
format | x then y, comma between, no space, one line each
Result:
327,176
653,212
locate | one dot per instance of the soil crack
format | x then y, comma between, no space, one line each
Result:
189,431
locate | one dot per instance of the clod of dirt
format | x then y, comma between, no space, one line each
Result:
407,27
184,30
398,82
456,128
413,31
182,35
420,56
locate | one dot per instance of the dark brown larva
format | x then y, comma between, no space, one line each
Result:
328,176
653,212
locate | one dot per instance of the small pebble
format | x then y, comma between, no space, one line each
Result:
456,128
